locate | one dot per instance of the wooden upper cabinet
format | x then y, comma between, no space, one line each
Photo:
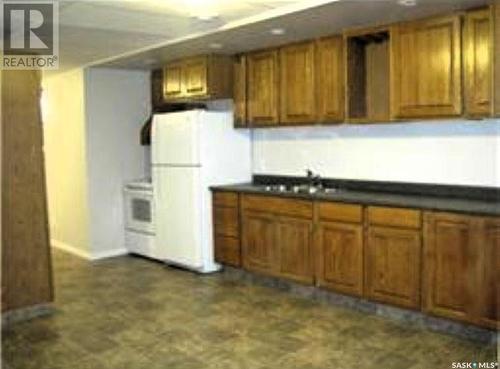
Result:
449,266
426,68
195,76
172,81
198,78
263,88
478,57
330,79
240,91
496,56
392,266
297,88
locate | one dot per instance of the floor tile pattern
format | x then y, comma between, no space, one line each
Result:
131,313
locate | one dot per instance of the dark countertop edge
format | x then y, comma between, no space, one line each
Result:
466,206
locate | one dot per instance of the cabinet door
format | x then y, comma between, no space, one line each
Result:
339,257
263,88
488,269
478,58
449,263
259,240
195,76
172,81
240,91
427,68
297,90
294,245
330,79
392,265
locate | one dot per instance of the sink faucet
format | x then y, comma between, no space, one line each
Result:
314,179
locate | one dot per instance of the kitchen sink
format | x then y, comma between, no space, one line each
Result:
298,189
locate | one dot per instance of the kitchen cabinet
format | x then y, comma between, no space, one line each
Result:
461,268
339,248
367,75
260,252
478,58
340,257
297,84
393,266
198,78
449,265
195,76
294,237
330,79
263,88
240,91
226,221
487,310
392,256
277,237
426,68
173,81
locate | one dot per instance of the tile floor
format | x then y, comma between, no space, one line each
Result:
129,313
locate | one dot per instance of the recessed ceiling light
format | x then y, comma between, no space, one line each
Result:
215,45
277,31
407,2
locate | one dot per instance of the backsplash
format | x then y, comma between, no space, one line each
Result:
458,152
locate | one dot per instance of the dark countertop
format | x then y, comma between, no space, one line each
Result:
425,202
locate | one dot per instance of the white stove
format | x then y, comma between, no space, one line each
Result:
140,218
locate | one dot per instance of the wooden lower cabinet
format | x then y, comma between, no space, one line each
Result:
488,308
226,214
259,241
277,237
461,268
392,266
339,257
449,266
294,238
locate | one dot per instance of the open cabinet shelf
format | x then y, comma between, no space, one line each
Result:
367,76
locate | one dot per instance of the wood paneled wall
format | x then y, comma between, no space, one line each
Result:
26,262
497,57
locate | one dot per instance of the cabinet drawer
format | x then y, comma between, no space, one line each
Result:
340,212
226,221
275,205
395,217
229,199
227,250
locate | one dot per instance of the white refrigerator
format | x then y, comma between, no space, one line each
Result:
191,151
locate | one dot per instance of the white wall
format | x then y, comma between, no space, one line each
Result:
451,152
65,160
118,103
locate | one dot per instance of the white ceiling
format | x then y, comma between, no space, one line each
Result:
93,30
146,33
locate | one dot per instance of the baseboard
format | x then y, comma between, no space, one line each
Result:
108,254
70,248
92,256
